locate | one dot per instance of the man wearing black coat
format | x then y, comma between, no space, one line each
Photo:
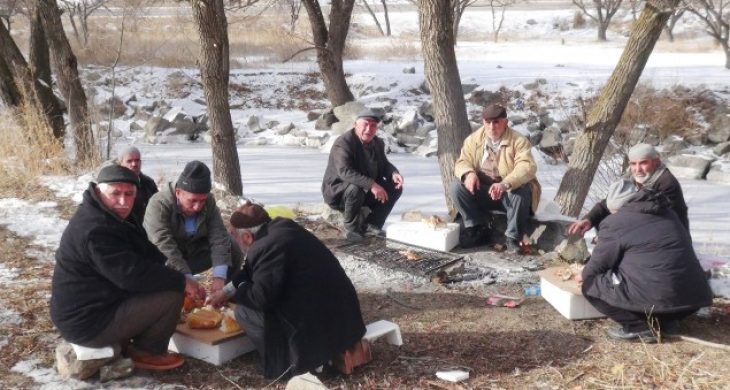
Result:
359,174
131,158
293,298
643,272
110,285
647,170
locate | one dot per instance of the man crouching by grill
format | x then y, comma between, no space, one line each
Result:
293,298
110,285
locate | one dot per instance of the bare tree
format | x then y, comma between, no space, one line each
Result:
330,44
214,62
385,32
442,75
294,8
606,112
716,16
459,7
14,69
602,13
78,13
8,9
672,22
113,67
66,69
635,5
498,7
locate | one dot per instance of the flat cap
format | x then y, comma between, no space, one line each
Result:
494,111
117,174
642,151
368,113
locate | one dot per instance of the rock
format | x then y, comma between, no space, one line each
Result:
573,250
534,127
550,142
697,139
315,142
409,70
341,127
348,111
271,124
69,367
671,146
722,148
325,121
292,140
200,101
305,382
531,22
516,119
113,105
284,129
155,125
409,122
483,98
427,150
535,138
92,76
424,130
135,126
546,120
689,166
426,111
568,146
312,115
468,88
719,173
409,140
253,124
535,84
720,129
424,88
118,369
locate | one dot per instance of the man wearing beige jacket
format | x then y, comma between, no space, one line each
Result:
497,173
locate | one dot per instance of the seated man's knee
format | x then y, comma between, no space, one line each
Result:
457,188
353,192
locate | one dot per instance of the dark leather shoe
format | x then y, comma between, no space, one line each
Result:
353,237
646,336
513,247
372,230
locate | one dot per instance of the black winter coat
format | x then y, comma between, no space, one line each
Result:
101,261
666,184
645,245
147,188
348,164
311,310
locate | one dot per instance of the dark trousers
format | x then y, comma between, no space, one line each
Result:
476,209
354,198
252,321
148,320
633,321
201,260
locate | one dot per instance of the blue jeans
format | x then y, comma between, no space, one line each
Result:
476,209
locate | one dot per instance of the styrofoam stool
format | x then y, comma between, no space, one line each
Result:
215,352
385,328
565,296
420,234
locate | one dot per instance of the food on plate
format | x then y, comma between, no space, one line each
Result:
206,318
229,323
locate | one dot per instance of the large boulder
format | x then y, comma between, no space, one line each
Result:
426,111
154,126
722,148
348,112
573,250
719,131
114,106
409,122
689,166
483,98
325,121
719,172
550,141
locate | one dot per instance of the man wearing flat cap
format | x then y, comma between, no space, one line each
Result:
110,285
293,298
185,223
359,175
643,272
496,172
131,158
646,171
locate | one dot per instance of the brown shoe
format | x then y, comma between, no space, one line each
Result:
154,361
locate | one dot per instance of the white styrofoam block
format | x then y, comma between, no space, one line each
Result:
213,354
385,328
421,234
89,353
453,375
571,306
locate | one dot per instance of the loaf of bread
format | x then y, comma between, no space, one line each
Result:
229,323
204,319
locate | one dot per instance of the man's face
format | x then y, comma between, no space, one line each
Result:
118,197
244,239
133,162
495,128
641,169
190,202
365,128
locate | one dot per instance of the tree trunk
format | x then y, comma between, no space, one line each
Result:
727,57
602,27
210,18
8,90
375,18
67,75
387,17
330,46
442,75
20,72
606,113
40,68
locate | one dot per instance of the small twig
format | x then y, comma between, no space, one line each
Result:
724,347
575,377
397,300
557,372
424,358
280,376
230,380
588,349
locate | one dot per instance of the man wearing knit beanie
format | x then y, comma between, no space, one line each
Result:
185,223
131,158
295,301
646,170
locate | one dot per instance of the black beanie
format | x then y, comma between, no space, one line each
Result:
117,174
195,178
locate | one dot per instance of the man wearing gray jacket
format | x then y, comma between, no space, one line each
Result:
185,224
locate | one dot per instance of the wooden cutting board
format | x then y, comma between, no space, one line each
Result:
208,336
571,285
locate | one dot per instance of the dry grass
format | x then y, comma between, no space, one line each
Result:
392,48
29,150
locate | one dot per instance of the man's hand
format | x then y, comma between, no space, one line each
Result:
397,180
381,195
471,182
217,298
496,190
579,227
217,285
193,289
